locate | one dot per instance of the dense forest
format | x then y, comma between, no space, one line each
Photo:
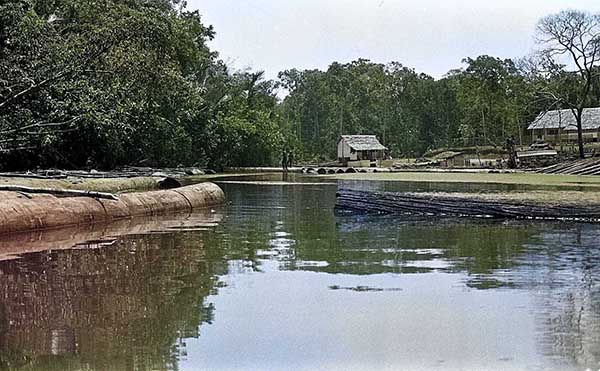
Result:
116,82
482,104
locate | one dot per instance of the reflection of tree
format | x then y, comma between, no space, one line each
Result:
366,245
118,307
255,228
558,261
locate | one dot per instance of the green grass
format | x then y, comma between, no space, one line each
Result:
481,178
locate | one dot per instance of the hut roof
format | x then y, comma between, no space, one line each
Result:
564,119
363,142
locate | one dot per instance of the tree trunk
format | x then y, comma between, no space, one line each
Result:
483,126
580,133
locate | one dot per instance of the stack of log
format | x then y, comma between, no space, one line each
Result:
590,166
369,202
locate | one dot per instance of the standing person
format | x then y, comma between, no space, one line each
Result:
284,160
290,159
512,154
284,165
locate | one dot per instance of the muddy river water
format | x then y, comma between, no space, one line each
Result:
274,280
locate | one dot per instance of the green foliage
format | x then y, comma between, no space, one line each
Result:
493,97
119,82
115,82
481,104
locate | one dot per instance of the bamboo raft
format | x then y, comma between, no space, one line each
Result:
462,205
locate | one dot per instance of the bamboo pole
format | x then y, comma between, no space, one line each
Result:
58,192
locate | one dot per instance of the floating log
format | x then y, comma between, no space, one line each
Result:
21,212
369,202
169,183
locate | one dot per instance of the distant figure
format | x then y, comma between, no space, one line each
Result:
512,154
284,160
290,159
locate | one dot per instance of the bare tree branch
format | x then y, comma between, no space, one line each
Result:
41,125
576,34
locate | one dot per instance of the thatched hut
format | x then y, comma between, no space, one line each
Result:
360,147
560,126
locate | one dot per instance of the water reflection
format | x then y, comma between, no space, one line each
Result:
126,305
236,289
555,264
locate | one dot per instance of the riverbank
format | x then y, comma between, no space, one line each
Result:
528,179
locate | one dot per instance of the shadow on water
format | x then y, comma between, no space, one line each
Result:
132,295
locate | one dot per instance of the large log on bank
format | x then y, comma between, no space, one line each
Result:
21,212
368,202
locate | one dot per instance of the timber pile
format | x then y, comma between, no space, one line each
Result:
590,166
27,211
368,202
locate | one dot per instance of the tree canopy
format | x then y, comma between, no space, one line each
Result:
117,82
480,104
124,81
572,36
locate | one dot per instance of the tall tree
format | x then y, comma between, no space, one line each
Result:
572,36
492,96
117,82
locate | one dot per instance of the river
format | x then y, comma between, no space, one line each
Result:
274,280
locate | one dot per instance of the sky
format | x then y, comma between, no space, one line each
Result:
432,36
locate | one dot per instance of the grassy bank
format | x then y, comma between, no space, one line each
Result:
542,198
480,178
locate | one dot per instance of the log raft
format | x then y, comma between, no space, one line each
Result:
21,211
415,204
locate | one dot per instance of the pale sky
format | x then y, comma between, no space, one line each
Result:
429,35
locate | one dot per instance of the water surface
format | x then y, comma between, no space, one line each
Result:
274,280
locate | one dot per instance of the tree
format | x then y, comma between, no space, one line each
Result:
574,36
115,82
492,95
408,111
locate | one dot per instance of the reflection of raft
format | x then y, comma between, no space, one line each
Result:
24,211
368,202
